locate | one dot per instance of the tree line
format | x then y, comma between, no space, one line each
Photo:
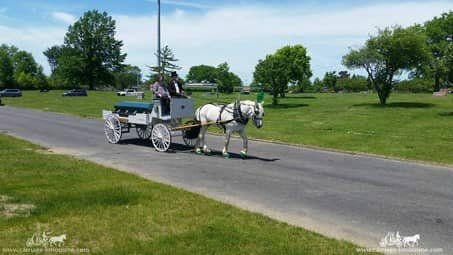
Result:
19,69
91,56
423,51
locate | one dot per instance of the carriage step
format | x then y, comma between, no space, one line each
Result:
165,117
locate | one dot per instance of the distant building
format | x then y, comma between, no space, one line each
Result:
201,85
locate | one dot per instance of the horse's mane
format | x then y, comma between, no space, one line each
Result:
245,102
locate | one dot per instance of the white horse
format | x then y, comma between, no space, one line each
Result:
57,240
233,118
411,241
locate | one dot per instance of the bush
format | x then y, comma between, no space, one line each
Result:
415,86
354,84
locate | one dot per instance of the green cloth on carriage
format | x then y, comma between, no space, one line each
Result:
134,106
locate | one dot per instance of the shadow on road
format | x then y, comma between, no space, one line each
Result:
238,156
174,147
182,148
137,141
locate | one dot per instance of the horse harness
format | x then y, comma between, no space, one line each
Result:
238,116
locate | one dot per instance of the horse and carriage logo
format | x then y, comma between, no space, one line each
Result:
44,240
396,240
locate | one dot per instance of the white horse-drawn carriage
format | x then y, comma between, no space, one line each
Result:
150,123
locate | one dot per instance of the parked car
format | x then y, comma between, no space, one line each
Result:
75,92
128,92
11,93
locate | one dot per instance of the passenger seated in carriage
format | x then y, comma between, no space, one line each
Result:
161,92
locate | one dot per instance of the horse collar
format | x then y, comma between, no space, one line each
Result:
237,114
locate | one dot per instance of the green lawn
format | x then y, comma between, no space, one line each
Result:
412,126
112,212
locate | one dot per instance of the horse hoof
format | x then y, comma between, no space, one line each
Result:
243,155
207,152
198,152
226,156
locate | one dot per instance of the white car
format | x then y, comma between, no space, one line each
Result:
128,92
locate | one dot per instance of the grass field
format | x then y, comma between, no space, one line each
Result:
412,126
111,212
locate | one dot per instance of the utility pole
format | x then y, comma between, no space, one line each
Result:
158,35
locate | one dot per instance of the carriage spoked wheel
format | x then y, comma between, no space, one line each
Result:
144,131
161,137
112,129
190,135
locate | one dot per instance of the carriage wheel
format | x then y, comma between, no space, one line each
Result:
112,129
144,132
161,137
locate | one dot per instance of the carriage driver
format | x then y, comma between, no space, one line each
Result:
175,87
160,91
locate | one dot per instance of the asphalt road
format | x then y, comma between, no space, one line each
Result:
351,197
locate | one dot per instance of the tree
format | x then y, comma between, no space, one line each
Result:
440,40
52,54
128,77
268,73
40,80
202,73
19,68
6,69
24,63
226,80
450,63
343,75
10,50
317,85
27,73
386,55
167,62
289,65
92,39
330,80
301,87
70,67
356,83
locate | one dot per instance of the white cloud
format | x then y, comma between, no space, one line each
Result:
241,35
33,39
186,4
67,18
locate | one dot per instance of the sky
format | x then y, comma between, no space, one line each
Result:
239,32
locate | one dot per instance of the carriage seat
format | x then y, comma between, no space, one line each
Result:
138,107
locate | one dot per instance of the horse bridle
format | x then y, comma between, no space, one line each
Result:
256,112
